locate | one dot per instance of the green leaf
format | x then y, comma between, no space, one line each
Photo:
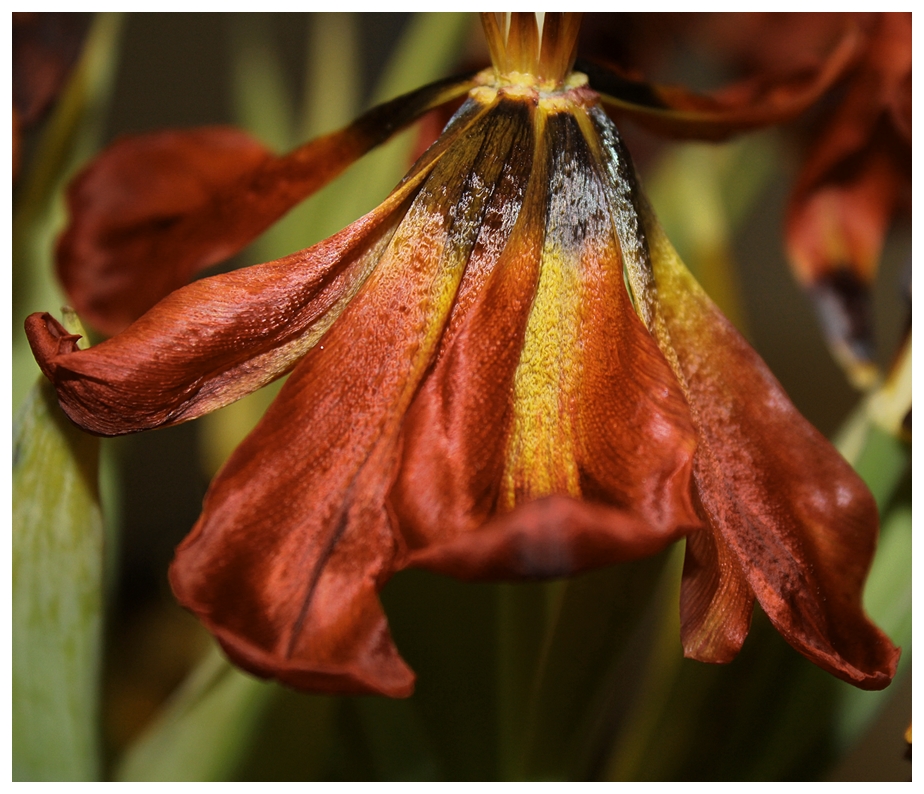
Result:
57,594
203,731
333,77
262,100
524,615
702,194
600,667
871,438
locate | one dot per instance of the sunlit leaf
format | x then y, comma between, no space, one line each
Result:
262,100
333,79
702,195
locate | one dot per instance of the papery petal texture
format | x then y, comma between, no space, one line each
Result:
504,371
307,611
502,433
213,341
218,339
786,512
155,209
788,522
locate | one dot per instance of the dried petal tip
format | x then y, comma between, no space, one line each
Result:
534,48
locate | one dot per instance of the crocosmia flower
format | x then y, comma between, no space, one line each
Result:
504,371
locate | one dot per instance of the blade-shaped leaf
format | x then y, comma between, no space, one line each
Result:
57,595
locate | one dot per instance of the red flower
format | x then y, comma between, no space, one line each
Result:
475,391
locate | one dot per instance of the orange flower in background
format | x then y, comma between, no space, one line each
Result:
473,389
856,180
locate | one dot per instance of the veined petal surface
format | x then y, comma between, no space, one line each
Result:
551,436
218,339
297,536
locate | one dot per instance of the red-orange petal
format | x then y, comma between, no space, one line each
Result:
296,537
787,512
154,209
45,48
455,431
138,227
716,600
214,341
515,466
748,105
552,536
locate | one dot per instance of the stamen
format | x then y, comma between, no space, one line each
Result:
537,48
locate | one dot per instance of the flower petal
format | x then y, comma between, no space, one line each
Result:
835,231
154,209
788,514
857,176
45,48
212,342
716,601
454,433
548,537
116,259
549,390
748,105
296,537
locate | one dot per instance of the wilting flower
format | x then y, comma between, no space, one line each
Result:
503,371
